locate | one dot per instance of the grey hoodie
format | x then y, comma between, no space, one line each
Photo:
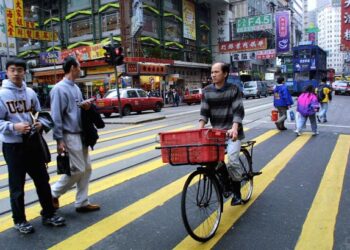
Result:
15,106
65,97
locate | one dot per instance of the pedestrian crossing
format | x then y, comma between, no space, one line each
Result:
112,223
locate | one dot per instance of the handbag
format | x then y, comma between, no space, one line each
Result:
35,144
63,166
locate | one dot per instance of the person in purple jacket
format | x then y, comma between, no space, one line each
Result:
282,101
307,106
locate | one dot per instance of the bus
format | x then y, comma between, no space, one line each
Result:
309,66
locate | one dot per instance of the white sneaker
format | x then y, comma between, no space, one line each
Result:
297,132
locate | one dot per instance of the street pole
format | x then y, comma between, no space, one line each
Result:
53,46
6,35
116,82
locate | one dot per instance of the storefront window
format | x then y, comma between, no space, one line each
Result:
80,28
172,31
150,24
110,21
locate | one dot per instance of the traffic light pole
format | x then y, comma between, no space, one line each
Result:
116,81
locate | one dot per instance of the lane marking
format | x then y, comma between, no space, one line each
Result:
107,226
30,185
232,214
319,226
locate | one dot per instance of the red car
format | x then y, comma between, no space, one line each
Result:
194,96
132,100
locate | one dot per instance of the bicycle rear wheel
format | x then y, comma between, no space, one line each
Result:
247,181
201,205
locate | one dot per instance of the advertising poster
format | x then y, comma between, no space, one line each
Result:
282,31
254,23
189,19
345,25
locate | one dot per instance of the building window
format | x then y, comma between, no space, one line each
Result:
110,21
150,24
172,5
204,38
80,27
172,31
81,4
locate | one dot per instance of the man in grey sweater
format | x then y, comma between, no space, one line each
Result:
66,104
222,104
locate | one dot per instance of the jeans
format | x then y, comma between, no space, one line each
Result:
323,112
19,162
302,122
234,167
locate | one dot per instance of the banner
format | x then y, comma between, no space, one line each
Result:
19,15
243,45
189,19
282,31
254,23
345,25
49,58
265,54
10,16
245,56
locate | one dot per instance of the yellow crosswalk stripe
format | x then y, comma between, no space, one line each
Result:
318,229
232,214
31,186
114,222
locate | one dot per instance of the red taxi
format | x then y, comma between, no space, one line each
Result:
194,96
132,100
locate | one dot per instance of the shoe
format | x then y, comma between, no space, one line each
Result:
55,203
318,119
24,227
283,128
325,120
88,208
55,221
297,132
236,201
316,133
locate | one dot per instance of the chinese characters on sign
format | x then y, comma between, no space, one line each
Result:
243,45
345,25
265,54
254,23
189,19
246,56
282,31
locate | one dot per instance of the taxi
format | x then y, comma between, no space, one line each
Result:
132,100
194,96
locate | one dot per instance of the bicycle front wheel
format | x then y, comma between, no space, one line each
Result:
247,181
201,205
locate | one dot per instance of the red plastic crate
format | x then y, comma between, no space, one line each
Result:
194,152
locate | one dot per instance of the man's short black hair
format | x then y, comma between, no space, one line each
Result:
280,79
17,62
225,68
324,79
68,62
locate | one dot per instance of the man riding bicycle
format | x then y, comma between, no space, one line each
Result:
223,106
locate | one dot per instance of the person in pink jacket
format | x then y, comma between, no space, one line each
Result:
307,106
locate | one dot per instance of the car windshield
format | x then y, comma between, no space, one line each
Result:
195,91
250,85
110,94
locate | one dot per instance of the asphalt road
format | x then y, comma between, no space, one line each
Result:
299,202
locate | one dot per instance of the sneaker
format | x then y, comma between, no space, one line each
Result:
315,133
88,208
55,221
24,227
236,201
318,119
55,203
297,132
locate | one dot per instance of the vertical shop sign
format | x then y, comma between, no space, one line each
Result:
282,31
345,25
10,23
189,19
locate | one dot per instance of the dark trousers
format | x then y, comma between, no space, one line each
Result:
282,112
19,162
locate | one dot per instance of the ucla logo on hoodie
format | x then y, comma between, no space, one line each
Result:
18,106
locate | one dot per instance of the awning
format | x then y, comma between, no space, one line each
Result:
48,73
91,78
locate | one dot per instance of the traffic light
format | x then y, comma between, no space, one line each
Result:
110,54
118,56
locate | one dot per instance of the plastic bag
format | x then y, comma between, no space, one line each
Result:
290,115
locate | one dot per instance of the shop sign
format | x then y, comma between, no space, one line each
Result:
265,54
189,19
282,31
254,23
345,25
244,56
49,58
80,53
243,45
155,69
99,70
131,68
97,51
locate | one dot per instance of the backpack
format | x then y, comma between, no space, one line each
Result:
320,94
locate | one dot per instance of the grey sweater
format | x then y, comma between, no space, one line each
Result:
65,97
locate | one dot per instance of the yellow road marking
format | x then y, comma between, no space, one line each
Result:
100,230
30,186
232,214
318,229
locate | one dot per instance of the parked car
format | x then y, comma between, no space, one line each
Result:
255,89
132,100
341,88
194,96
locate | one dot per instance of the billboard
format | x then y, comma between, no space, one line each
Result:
345,25
189,19
254,23
137,17
282,31
243,45
266,54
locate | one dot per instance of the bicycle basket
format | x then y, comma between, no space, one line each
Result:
193,146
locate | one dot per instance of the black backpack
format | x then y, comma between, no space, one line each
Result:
320,94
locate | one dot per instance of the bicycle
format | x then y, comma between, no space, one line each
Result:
206,188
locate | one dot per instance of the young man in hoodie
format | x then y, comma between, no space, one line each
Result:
16,104
66,104
282,101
